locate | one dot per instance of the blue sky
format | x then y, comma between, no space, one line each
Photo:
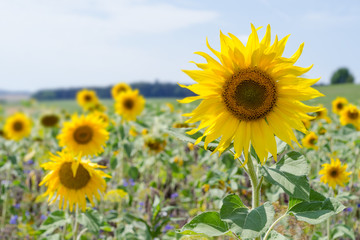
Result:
50,44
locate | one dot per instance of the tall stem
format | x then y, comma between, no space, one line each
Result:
6,197
76,223
328,228
254,184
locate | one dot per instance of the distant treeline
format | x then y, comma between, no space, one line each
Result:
155,90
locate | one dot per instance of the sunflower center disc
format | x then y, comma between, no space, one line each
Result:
353,115
83,134
249,94
128,104
334,173
312,141
18,126
49,121
339,106
87,98
67,178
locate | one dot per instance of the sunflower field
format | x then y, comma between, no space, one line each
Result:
246,157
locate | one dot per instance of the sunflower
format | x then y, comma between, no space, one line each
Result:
119,88
49,120
84,135
338,104
133,132
17,126
334,173
306,123
252,94
350,115
129,104
310,140
322,113
102,116
87,98
155,145
71,180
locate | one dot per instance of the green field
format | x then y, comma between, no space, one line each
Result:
349,91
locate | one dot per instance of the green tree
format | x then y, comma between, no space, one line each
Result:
342,75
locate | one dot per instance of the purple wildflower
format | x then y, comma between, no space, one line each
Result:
174,195
13,219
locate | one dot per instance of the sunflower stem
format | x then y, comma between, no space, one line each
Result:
76,223
328,229
273,225
254,184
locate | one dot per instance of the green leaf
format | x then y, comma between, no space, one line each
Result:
207,223
290,173
134,173
245,222
113,162
316,210
53,222
341,230
181,135
122,131
128,148
91,220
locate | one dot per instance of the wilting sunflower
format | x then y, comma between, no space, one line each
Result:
71,180
129,104
155,145
310,141
250,95
49,120
334,173
338,104
84,135
350,115
17,126
119,88
102,116
87,98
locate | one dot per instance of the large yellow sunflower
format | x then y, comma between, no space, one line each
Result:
71,180
87,98
119,88
350,115
84,135
129,104
17,126
334,173
338,104
252,94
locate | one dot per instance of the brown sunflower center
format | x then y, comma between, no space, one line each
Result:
18,126
67,178
353,114
83,134
49,120
87,98
250,94
128,103
312,141
339,106
334,172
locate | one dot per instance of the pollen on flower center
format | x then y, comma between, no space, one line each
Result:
353,114
128,104
67,178
18,126
249,94
83,134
